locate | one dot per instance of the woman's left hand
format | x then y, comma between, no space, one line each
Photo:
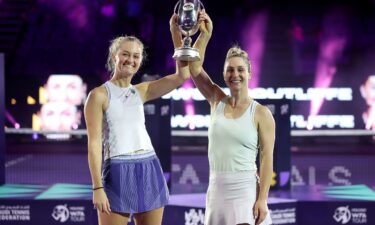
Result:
260,211
205,23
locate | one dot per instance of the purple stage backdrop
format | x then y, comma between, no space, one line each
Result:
317,54
2,117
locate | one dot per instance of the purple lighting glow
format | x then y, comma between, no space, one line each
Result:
333,42
253,42
108,10
75,12
35,136
11,119
189,105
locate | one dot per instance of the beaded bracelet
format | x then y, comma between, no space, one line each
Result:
94,189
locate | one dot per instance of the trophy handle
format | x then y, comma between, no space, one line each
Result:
200,2
176,7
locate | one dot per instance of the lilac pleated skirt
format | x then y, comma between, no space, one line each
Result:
135,185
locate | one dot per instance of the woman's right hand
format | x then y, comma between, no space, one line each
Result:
173,26
100,201
175,31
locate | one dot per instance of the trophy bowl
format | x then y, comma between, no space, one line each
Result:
187,12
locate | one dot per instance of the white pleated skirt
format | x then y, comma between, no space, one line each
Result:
231,197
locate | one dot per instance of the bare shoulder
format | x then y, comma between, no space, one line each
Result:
262,110
98,95
263,114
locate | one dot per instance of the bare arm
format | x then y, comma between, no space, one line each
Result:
93,116
266,129
155,89
175,31
205,28
203,82
211,91
267,142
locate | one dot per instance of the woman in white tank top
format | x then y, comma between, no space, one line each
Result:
239,127
131,180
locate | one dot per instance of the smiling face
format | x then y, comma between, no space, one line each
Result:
125,56
128,58
236,73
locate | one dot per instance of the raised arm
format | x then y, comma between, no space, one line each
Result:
93,116
266,130
155,89
211,91
202,81
205,28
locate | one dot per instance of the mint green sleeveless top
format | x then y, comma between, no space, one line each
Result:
233,143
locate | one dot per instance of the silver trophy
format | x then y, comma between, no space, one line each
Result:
187,13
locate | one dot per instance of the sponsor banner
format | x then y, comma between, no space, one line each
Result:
64,213
281,213
183,215
37,212
16,213
344,215
284,215
336,213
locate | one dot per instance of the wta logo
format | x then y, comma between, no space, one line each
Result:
60,213
188,6
342,215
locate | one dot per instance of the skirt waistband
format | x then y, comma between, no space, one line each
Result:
132,158
251,174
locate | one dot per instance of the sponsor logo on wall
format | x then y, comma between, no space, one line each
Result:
283,216
194,217
14,213
63,213
344,215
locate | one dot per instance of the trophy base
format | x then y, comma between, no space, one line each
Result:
186,54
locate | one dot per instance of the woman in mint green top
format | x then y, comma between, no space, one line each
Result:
239,128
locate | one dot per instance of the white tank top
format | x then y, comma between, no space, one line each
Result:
233,143
124,130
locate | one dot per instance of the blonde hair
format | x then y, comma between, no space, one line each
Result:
237,51
114,47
